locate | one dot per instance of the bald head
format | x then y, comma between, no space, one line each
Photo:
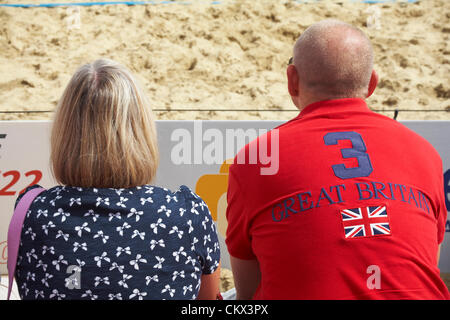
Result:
334,60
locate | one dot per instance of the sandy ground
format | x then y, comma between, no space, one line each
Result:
226,279
231,55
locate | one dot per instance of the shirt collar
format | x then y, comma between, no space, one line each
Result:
333,106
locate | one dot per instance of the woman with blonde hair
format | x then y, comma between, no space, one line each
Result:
105,232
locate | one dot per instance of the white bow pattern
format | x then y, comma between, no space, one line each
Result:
138,243
138,260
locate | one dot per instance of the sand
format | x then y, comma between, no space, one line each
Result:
231,55
226,280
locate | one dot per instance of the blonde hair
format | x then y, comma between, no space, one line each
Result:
103,134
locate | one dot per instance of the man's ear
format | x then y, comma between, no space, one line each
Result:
373,83
292,77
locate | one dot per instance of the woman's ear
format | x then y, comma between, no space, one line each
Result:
373,83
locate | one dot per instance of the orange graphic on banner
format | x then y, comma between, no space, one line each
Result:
212,188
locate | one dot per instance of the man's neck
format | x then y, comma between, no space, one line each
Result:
306,101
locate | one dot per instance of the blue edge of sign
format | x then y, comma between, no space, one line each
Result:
99,3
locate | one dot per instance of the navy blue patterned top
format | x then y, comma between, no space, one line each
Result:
138,243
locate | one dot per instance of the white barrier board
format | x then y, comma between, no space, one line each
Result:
191,153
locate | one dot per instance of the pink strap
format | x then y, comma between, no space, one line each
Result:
15,229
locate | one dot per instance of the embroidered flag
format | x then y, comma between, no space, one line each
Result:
365,222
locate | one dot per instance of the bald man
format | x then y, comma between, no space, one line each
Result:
356,209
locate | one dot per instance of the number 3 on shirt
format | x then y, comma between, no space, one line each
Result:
358,151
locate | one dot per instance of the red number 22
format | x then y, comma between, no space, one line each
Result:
15,177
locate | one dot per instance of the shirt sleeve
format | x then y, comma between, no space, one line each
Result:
238,239
203,232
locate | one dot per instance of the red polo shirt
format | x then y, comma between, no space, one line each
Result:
353,207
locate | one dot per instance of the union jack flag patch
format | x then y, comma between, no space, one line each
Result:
365,222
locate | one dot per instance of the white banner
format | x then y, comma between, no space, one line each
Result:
193,153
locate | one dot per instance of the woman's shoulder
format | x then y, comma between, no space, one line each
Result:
182,197
193,200
29,188
181,193
121,198
188,194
